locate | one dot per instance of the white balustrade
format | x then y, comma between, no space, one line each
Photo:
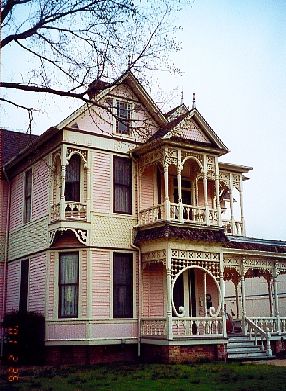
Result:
55,212
153,327
282,324
75,210
256,332
266,323
151,215
195,326
238,228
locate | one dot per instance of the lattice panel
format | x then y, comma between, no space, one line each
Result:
151,158
182,259
157,256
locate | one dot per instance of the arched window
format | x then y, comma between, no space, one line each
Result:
72,186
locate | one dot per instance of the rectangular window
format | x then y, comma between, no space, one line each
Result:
123,117
122,285
24,285
28,196
122,185
72,185
68,285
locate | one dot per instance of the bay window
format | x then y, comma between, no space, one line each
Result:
68,285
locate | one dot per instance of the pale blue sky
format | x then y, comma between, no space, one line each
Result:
234,58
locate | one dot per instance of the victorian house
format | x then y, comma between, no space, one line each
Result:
124,229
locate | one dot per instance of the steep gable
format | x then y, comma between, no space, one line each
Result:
189,127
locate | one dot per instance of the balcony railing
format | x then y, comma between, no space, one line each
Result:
72,211
183,213
183,327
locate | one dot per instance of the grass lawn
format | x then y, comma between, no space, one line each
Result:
198,377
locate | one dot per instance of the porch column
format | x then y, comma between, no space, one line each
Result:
270,296
217,192
205,174
179,180
205,293
169,295
222,291
276,301
63,182
166,184
241,208
237,300
233,230
243,299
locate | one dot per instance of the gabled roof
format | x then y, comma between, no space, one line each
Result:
99,89
179,129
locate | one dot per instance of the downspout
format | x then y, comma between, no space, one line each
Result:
139,262
4,294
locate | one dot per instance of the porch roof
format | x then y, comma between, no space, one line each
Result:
246,243
171,231
204,234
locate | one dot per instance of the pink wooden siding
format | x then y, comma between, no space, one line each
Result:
51,282
40,190
101,284
3,205
17,201
37,283
102,182
147,188
153,290
83,282
13,286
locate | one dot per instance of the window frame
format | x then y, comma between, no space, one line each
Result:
119,120
28,196
129,187
61,285
130,286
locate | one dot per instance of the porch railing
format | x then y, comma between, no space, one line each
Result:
196,326
72,211
151,215
256,332
178,213
153,327
186,327
275,325
233,228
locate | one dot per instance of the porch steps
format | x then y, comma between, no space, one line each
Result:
241,348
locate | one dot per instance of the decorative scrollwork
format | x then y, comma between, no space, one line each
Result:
82,153
185,258
81,234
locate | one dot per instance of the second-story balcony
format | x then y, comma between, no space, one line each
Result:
70,210
184,187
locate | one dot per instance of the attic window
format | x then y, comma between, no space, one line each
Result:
123,117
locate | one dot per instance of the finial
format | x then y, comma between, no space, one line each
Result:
182,96
194,100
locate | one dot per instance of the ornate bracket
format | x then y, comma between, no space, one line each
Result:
80,234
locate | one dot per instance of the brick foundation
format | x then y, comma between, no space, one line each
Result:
182,354
86,355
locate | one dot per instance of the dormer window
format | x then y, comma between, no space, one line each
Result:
123,115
